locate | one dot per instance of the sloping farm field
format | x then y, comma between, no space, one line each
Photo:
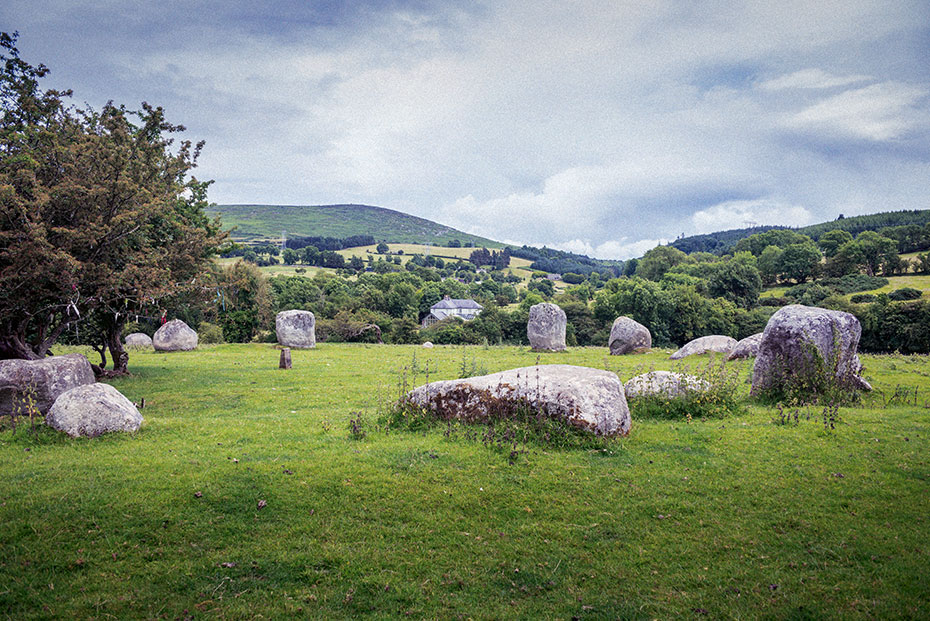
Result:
252,492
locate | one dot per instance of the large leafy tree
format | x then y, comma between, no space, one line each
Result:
868,251
99,215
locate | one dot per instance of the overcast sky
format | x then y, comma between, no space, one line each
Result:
600,127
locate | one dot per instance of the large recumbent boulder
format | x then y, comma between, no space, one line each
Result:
175,336
628,336
39,382
92,410
713,343
746,348
138,340
666,384
296,328
804,345
590,399
545,328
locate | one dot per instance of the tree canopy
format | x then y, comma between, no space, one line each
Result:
98,213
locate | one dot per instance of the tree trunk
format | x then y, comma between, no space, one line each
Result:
114,331
15,346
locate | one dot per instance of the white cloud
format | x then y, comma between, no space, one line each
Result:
622,249
878,112
742,214
606,124
810,79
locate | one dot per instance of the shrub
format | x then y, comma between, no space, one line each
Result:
907,293
210,333
862,298
896,326
717,401
779,302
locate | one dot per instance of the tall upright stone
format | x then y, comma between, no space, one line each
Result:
296,328
804,346
546,327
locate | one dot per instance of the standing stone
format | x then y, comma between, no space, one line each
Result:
590,399
747,348
138,340
296,328
800,343
41,381
91,410
174,336
627,336
285,362
715,342
546,327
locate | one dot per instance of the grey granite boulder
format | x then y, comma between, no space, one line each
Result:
91,410
802,342
40,381
628,336
296,328
587,398
714,342
174,336
138,340
546,327
665,383
746,348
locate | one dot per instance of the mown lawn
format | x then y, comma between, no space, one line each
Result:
736,517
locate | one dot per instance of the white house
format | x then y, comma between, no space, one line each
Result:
447,307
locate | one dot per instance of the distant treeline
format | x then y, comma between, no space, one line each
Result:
560,262
496,260
330,243
903,226
717,243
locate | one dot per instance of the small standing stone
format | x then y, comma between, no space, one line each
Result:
545,329
285,358
296,328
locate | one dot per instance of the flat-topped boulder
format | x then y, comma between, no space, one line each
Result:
40,381
92,410
747,347
174,336
665,383
804,345
715,342
590,399
628,336
296,328
138,340
545,328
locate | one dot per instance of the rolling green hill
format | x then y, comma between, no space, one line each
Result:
267,221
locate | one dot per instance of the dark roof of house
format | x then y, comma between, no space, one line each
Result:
450,303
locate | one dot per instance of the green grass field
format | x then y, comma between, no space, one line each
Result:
725,518
518,266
